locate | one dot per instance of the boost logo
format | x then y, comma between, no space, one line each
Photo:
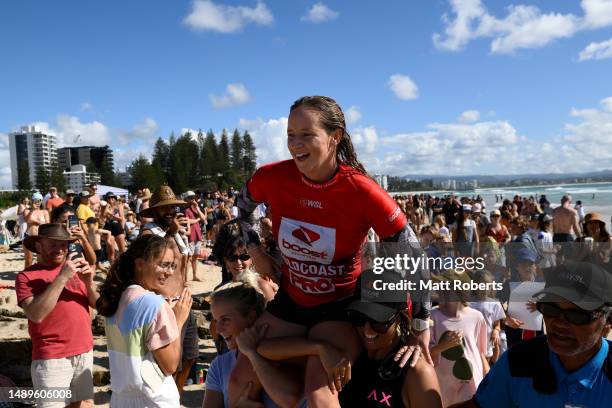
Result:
307,242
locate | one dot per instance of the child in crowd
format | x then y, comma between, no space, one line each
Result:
484,301
458,343
95,236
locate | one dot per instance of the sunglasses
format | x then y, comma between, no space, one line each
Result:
235,258
577,317
359,320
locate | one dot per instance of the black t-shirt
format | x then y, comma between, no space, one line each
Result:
368,390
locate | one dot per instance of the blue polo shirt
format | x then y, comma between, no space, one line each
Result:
586,387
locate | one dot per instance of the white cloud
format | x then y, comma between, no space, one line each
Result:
403,87
365,139
86,106
523,27
70,128
235,94
597,13
208,16
269,137
352,115
486,147
144,131
597,51
319,13
469,116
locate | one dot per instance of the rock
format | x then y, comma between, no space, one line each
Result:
204,333
201,303
101,376
12,313
16,350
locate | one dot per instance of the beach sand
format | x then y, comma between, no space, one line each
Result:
15,346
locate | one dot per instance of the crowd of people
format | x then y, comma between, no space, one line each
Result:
288,319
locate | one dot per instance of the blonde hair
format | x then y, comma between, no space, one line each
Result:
245,297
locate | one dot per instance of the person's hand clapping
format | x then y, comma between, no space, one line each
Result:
183,306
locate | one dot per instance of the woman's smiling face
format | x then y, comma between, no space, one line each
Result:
230,322
155,275
312,148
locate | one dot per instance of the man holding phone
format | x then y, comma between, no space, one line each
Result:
55,294
64,215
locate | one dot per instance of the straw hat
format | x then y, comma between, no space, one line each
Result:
146,194
162,196
56,232
594,217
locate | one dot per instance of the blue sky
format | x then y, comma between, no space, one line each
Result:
430,86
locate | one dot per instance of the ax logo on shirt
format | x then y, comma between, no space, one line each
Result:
307,242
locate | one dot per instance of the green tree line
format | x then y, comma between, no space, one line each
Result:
196,162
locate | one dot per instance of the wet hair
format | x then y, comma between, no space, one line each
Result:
244,296
122,272
331,118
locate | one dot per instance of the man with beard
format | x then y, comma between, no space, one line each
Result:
168,219
55,294
571,366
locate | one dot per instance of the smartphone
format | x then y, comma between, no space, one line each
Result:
74,247
179,211
73,221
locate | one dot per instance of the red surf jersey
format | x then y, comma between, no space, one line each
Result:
320,228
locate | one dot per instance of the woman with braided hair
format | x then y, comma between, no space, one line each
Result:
322,204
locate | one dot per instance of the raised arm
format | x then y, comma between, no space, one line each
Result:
38,307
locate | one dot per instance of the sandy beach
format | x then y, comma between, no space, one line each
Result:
15,344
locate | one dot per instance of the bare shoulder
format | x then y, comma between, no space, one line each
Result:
421,371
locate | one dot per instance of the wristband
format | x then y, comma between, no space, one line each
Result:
420,324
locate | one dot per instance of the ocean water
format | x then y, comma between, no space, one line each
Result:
595,197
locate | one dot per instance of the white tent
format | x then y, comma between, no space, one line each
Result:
102,189
9,214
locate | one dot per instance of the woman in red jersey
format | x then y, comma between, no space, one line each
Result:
322,204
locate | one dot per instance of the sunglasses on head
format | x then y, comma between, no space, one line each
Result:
235,258
359,320
577,317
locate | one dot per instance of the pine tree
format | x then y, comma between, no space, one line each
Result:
23,176
142,173
58,179
237,152
224,153
208,156
250,156
161,157
107,174
43,180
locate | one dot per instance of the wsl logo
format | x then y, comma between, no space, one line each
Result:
307,242
311,203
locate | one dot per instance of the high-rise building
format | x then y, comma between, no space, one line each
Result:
71,156
78,178
31,149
